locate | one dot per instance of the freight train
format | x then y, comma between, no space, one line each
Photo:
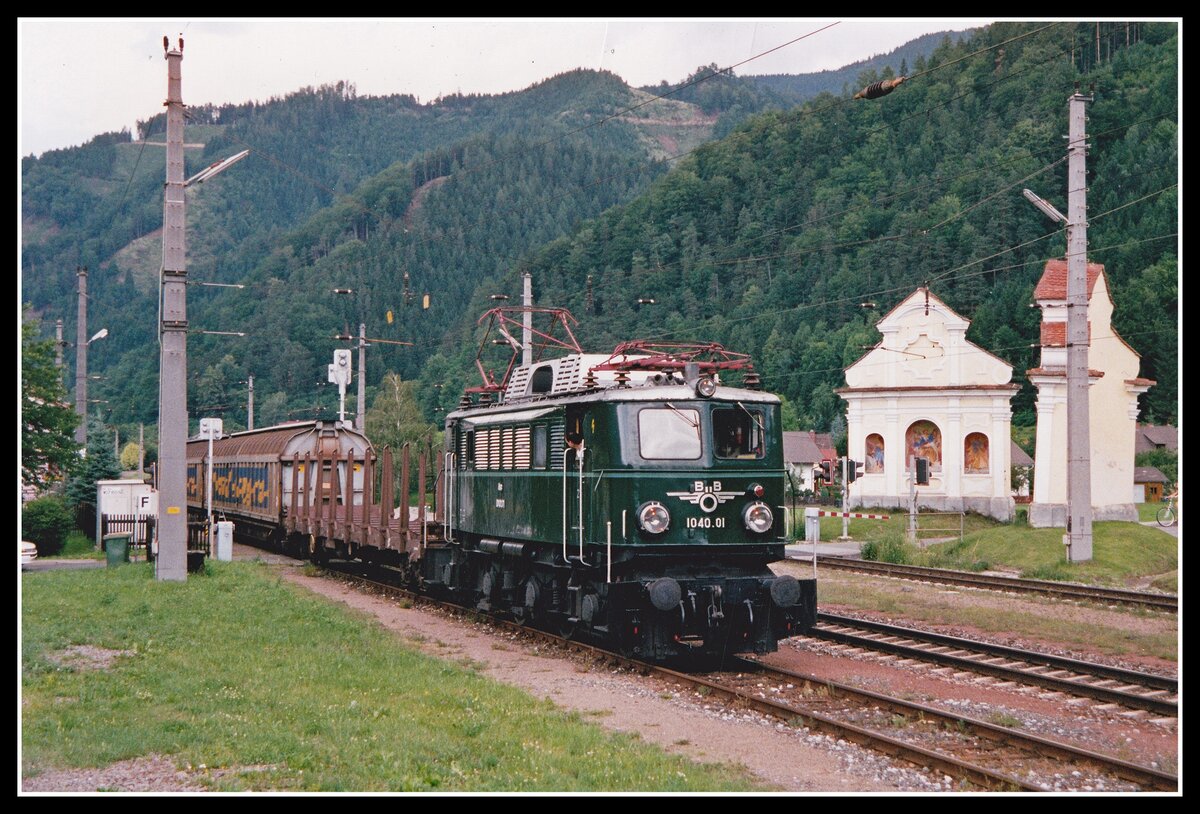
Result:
634,499
259,475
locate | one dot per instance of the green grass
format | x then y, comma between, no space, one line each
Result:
1120,552
1148,512
1167,582
897,523
1004,719
890,548
79,547
237,669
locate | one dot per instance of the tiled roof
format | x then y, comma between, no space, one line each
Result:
798,447
1148,474
1152,436
1053,285
824,442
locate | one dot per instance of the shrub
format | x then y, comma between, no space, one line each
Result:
46,522
1056,571
891,548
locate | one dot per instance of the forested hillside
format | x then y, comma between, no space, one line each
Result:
323,202
796,88
788,238
777,239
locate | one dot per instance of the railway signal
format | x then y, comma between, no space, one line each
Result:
922,465
854,470
341,374
824,471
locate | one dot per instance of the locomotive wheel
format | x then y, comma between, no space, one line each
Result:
524,614
566,628
483,592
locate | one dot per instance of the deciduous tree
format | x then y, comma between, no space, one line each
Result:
48,448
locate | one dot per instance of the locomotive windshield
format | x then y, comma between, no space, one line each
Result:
669,434
738,433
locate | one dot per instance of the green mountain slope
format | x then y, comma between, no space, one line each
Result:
771,240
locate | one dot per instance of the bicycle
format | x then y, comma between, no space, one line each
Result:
1166,515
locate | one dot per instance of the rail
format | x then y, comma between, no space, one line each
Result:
1061,590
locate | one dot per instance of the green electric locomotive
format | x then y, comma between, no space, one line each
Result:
631,498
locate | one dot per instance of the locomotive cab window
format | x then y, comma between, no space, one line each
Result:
669,434
738,433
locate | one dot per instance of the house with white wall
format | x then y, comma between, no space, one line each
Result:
801,453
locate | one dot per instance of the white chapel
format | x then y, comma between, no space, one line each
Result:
926,392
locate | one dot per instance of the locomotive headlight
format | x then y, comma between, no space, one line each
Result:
758,517
705,387
653,517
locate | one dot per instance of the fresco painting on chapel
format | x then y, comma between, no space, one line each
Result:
924,440
975,454
874,456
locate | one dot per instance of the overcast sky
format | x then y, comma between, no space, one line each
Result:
79,78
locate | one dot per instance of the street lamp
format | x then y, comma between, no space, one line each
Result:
81,374
1044,206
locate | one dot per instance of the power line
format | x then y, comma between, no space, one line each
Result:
1000,191
948,355
132,175
941,65
925,111
560,137
939,181
825,304
435,239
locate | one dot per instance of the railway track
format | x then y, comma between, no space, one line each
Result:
977,753
1109,685
1062,590
1027,760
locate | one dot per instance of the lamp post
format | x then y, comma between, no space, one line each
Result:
81,349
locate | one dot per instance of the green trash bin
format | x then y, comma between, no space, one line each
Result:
116,548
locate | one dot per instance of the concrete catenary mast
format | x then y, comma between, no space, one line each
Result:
172,381
81,348
1079,462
